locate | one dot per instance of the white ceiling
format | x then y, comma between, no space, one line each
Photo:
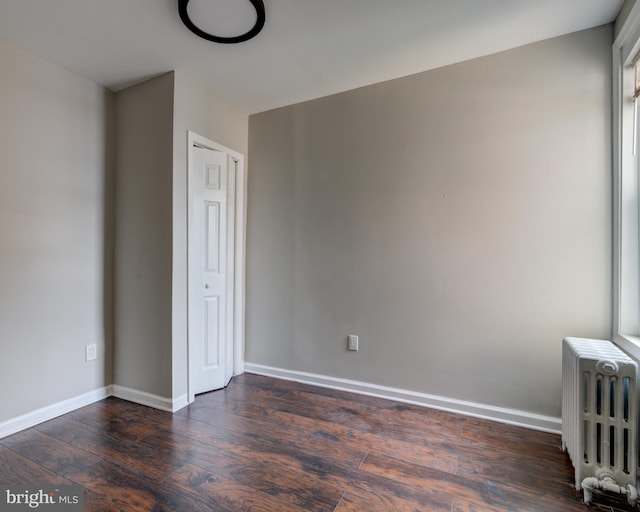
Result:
307,49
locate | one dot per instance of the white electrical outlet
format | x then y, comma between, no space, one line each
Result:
91,352
353,342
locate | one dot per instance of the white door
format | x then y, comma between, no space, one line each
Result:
211,262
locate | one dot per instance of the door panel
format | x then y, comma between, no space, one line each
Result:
212,237
210,269
211,320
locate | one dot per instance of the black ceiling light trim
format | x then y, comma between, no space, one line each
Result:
260,18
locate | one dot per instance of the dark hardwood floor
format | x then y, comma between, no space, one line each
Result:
270,445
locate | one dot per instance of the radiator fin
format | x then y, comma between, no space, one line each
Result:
599,410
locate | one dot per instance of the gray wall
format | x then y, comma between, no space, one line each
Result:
458,220
56,186
151,213
623,15
199,110
142,353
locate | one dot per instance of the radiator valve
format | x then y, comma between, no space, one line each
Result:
605,481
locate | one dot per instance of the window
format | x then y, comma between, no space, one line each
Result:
626,200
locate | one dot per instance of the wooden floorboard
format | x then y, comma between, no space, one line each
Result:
272,445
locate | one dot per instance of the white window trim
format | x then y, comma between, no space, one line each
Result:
626,224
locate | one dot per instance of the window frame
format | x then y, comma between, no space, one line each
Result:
626,188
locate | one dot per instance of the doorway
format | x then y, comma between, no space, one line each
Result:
215,264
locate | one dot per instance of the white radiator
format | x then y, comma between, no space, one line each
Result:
599,416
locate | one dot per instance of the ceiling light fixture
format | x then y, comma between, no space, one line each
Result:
260,17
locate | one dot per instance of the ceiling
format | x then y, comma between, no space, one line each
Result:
307,49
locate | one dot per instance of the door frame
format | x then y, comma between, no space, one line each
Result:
193,139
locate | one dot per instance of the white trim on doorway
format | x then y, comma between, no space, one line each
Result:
193,139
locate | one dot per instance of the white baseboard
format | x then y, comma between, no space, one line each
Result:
489,412
149,399
49,412
500,414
